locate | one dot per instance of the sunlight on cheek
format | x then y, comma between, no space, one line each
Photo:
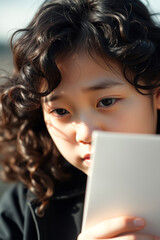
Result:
56,131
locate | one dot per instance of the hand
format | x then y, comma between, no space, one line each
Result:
121,228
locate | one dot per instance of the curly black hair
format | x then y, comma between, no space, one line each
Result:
122,30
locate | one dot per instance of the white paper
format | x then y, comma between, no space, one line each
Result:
124,179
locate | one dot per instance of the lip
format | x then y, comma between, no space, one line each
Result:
86,156
87,159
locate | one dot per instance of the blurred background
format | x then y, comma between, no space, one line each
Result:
15,14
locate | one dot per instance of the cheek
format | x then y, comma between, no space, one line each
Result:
56,130
135,117
145,116
61,134
135,114
65,144
61,140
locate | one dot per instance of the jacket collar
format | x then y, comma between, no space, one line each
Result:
68,189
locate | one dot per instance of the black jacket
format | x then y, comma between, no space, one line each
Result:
61,221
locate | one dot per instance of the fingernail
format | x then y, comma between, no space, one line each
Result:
138,222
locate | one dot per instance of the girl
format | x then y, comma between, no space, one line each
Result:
80,66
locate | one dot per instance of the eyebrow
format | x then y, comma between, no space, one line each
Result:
99,86
52,98
103,85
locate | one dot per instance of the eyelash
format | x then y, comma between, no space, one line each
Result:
61,112
108,101
55,111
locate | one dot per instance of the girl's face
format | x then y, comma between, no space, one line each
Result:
93,96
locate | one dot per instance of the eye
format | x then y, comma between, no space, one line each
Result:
60,112
106,102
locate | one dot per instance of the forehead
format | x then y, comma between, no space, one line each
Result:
82,73
82,65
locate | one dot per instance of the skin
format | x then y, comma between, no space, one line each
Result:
95,96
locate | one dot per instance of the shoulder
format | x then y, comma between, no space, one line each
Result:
16,196
12,210
13,204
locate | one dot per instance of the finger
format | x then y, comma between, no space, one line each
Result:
126,237
136,236
113,227
84,237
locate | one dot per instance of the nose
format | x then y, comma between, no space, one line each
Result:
84,133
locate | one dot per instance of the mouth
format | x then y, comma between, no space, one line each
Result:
87,159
